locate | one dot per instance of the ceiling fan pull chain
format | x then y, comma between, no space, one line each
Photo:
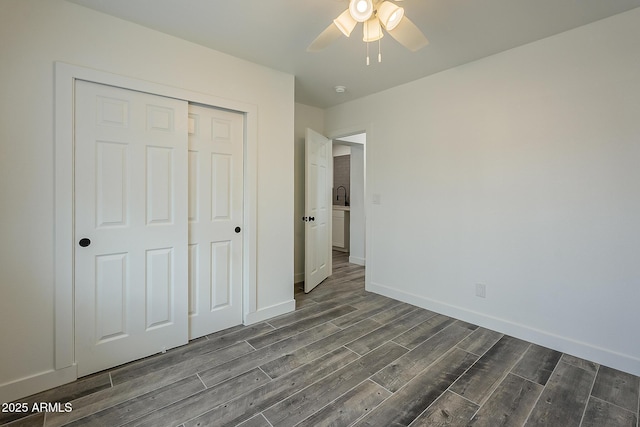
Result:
379,51
367,53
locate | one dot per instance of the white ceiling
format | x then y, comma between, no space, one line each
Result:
276,33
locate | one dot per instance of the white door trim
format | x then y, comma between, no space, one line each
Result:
369,178
65,76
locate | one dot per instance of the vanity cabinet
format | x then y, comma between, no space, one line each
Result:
341,228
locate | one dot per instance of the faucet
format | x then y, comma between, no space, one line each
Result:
346,203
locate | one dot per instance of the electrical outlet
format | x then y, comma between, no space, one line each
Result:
481,290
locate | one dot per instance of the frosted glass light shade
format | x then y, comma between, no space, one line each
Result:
372,30
361,10
345,22
390,15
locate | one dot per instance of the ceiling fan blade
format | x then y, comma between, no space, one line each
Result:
329,35
409,35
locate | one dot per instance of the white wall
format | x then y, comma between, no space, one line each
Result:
312,118
520,172
341,150
34,34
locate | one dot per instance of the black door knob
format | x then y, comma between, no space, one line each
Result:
238,229
84,242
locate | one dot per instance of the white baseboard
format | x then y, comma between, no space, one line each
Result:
356,260
24,387
298,278
603,356
269,312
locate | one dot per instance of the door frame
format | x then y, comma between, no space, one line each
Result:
64,247
343,141
344,132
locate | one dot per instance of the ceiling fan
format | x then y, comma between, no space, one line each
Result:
374,15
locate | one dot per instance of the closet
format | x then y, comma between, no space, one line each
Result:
158,215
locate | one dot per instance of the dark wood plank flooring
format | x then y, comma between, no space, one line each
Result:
348,357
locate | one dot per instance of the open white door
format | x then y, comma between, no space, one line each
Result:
130,225
317,208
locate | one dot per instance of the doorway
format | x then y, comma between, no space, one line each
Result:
350,208
351,197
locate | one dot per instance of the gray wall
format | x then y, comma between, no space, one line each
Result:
34,35
520,172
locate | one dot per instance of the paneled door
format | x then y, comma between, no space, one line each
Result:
215,219
317,208
131,254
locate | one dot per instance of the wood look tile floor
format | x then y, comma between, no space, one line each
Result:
348,357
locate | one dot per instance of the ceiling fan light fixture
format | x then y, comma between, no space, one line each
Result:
375,15
345,23
361,10
372,30
390,15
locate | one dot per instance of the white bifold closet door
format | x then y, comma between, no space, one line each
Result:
131,225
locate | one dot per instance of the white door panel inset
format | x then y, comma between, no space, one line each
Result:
159,283
193,277
111,184
193,124
221,172
221,130
159,185
216,195
131,180
193,185
160,118
112,112
111,286
220,275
